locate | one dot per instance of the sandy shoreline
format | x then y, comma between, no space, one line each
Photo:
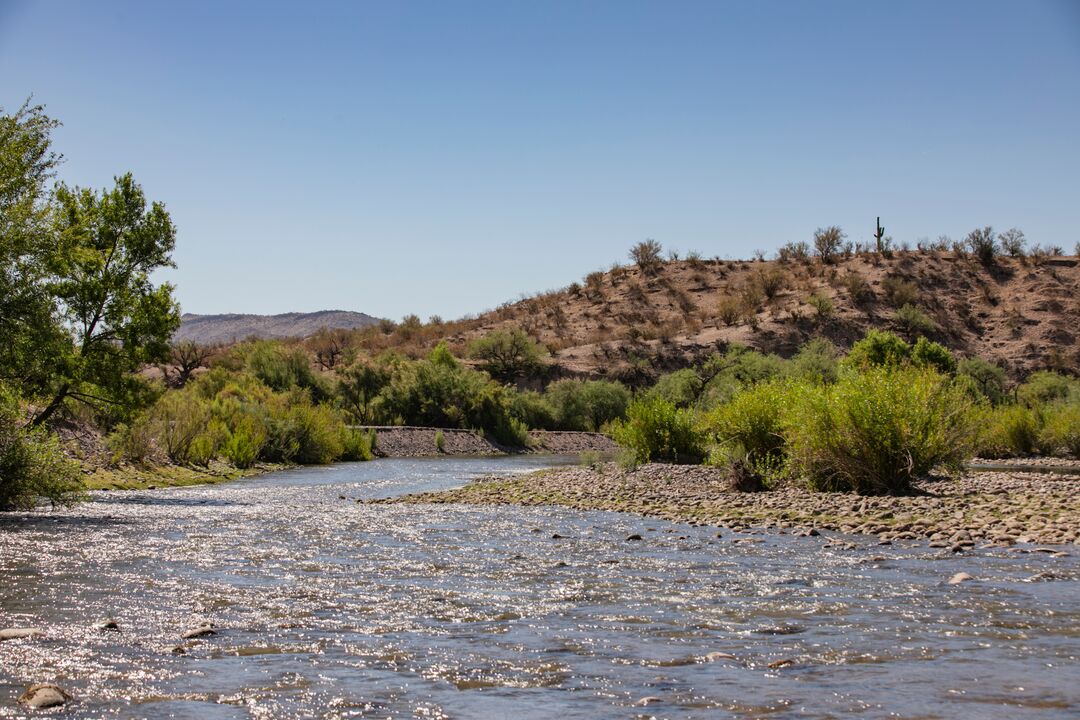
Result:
983,508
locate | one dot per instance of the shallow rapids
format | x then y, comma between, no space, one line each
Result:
325,607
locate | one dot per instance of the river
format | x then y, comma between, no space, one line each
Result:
330,608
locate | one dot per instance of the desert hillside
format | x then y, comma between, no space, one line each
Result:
215,329
633,322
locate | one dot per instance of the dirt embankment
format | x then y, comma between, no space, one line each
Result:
407,441
999,508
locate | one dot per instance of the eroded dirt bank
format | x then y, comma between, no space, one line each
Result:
1000,508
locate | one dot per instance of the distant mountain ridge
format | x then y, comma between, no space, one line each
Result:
231,327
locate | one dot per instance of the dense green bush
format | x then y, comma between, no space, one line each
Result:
735,369
1017,430
656,431
929,354
176,421
681,388
1060,433
441,392
32,465
751,427
244,442
817,360
1046,386
586,405
282,368
301,432
875,431
878,348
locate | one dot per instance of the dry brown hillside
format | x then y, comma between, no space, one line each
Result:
630,323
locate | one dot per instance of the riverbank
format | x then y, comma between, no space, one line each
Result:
152,477
406,441
996,508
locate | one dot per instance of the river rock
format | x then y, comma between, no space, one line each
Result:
959,578
108,624
43,695
781,663
716,655
19,633
648,700
199,631
633,536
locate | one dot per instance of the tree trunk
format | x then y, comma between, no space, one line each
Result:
52,407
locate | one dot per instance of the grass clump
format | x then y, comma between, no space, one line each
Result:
875,431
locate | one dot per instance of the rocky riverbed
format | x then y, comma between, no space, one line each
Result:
984,508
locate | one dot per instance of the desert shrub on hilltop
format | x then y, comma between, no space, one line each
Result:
828,243
647,256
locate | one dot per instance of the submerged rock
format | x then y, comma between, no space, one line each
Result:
959,578
199,631
108,624
43,695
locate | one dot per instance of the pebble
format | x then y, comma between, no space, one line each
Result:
43,695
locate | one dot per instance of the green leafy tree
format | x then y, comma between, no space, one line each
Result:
107,247
29,337
508,355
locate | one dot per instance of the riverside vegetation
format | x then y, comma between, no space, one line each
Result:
82,327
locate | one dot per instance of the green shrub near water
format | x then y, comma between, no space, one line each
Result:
656,431
586,404
1061,429
32,465
750,428
875,431
1010,431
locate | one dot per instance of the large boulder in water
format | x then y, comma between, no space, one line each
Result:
43,695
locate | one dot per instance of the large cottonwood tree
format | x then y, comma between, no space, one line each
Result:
108,245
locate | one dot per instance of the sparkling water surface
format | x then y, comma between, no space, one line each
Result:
329,608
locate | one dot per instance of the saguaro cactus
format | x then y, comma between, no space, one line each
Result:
879,234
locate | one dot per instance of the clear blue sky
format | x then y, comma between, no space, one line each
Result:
442,157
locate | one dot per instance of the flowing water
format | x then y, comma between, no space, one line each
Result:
329,608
